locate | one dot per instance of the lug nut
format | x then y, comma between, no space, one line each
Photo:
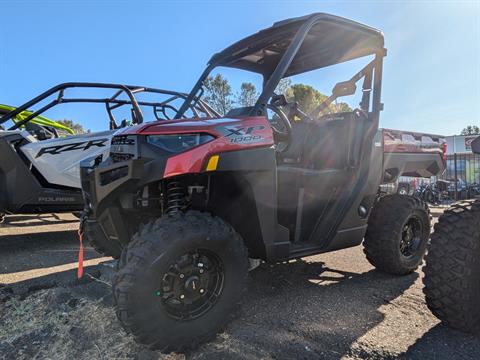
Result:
182,276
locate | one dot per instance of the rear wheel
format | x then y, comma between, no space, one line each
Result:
397,234
179,280
452,270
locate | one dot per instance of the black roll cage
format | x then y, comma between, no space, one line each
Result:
371,72
111,103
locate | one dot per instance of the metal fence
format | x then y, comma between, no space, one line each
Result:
465,168
463,171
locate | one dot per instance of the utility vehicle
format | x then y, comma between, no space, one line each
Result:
185,203
39,168
452,265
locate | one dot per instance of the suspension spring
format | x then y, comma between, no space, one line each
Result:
175,199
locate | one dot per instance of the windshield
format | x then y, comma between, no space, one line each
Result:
295,46
231,91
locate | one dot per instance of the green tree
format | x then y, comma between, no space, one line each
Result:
218,93
74,126
471,130
283,86
248,95
309,98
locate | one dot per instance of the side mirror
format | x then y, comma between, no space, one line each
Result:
476,145
344,88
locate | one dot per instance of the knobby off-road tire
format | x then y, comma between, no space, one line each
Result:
452,270
177,252
102,244
397,234
104,247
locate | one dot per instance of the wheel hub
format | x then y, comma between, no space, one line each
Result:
411,237
192,284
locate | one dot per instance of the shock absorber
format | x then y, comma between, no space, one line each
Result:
175,197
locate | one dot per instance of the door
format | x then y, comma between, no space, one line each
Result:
322,181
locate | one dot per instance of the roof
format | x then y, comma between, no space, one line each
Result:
331,40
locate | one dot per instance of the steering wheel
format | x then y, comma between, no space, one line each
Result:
283,133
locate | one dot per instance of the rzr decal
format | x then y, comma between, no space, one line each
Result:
244,135
85,145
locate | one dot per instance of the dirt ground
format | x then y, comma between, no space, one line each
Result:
331,306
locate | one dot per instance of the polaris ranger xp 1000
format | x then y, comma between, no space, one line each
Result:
185,203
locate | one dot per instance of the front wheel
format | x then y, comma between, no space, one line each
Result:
179,280
397,234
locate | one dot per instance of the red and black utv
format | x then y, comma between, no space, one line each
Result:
185,203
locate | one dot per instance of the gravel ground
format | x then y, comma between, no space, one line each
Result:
331,306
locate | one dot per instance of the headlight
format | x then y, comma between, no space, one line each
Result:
177,143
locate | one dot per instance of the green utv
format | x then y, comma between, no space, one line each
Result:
184,204
452,270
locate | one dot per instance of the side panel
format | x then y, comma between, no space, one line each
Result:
412,164
412,154
20,191
58,160
258,168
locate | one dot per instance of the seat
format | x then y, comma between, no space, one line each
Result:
328,143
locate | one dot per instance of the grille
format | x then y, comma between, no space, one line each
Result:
119,157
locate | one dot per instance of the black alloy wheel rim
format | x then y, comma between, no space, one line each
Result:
192,285
412,233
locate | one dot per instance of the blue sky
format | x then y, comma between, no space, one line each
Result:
431,75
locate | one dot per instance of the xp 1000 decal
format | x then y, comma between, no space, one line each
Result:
244,135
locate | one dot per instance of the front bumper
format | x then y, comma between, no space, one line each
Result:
110,191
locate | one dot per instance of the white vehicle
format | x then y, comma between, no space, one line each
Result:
39,168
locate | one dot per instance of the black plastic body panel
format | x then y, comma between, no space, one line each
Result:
22,192
256,166
412,164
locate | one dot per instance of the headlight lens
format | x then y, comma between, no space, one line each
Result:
177,143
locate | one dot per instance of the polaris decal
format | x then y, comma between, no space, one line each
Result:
244,135
84,145
56,199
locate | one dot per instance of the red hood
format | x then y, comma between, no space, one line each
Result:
231,134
